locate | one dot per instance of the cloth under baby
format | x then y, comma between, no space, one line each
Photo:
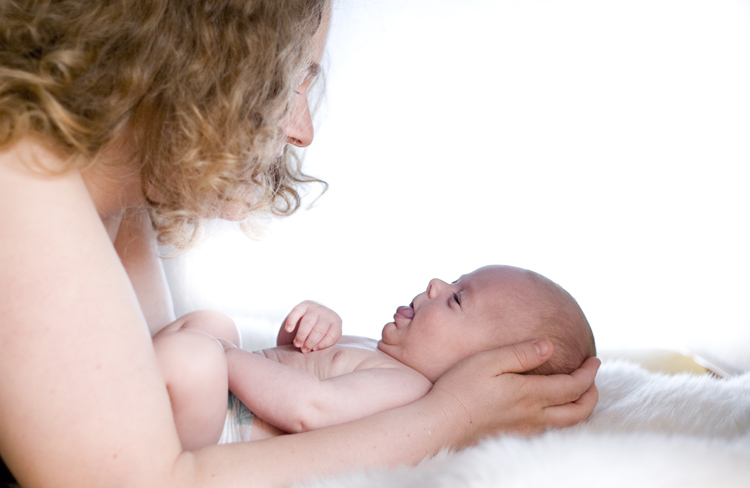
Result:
238,424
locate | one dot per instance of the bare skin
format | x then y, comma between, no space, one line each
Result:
300,386
82,400
347,381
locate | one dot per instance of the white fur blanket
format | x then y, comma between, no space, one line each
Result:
648,430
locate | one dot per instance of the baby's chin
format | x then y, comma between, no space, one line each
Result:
384,345
388,335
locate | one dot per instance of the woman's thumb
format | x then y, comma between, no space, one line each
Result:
524,356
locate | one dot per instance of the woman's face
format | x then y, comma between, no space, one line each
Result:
299,128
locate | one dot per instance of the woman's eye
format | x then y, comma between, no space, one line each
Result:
455,297
306,78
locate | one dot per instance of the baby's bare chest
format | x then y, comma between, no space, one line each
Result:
348,355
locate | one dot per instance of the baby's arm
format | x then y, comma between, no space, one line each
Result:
296,401
310,326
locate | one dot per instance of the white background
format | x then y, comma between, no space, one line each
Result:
603,143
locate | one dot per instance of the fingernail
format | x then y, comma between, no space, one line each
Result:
541,347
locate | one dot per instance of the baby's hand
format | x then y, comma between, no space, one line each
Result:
310,326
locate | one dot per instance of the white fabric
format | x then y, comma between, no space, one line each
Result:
238,425
648,430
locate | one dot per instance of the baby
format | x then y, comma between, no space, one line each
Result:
282,390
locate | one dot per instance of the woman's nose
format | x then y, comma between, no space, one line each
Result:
435,287
299,130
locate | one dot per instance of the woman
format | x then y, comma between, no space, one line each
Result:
123,124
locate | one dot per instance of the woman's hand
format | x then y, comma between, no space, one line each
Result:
482,395
310,326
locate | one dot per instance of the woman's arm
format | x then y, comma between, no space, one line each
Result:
81,399
82,402
473,400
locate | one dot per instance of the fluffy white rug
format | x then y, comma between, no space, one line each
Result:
648,430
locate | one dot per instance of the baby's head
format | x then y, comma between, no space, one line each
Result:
491,307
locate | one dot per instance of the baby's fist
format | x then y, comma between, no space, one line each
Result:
310,326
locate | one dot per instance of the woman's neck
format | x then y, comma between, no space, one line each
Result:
114,185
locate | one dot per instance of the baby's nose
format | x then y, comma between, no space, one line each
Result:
435,286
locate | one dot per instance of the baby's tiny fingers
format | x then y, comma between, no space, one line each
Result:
304,326
289,324
291,321
327,341
313,338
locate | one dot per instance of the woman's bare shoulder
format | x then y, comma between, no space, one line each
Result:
37,197
32,157
71,326
55,251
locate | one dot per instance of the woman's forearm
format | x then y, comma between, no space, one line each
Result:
83,402
82,399
401,436
474,399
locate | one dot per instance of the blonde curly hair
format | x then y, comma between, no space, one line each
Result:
200,89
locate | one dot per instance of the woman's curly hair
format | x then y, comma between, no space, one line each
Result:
199,89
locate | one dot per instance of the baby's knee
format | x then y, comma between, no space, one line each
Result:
190,355
218,324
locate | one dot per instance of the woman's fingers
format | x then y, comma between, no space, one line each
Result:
563,389
569,399
495,399
568,414
519,358
492,364
483,395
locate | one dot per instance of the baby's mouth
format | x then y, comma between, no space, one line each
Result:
405,312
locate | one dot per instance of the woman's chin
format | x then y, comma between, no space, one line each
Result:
234,212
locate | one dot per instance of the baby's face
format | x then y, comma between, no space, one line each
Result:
449,322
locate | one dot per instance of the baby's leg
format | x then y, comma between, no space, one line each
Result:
195,372
214,323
